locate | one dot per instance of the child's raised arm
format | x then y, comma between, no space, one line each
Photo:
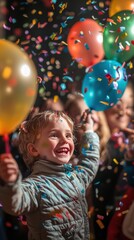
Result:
89,149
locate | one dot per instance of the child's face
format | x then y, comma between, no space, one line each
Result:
55,142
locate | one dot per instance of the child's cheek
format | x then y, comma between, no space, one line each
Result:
45,144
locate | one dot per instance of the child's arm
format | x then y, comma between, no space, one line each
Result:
90,150
16,197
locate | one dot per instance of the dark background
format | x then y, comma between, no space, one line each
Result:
42,32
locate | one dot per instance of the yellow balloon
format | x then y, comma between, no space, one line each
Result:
18,86
117,6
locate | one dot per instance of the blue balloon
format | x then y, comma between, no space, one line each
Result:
104,85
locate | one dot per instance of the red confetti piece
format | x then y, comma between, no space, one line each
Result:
58,215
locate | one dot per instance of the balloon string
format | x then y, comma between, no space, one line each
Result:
6,141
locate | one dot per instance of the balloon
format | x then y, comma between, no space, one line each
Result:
117,6
104,85
85,42
118,37
18,86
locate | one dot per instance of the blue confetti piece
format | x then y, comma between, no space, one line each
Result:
68,78
63,86
86,46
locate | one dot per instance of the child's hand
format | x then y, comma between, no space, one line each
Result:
8,168
87,121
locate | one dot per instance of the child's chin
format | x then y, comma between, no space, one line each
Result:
62,161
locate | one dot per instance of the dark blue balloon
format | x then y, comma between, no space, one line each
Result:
104,85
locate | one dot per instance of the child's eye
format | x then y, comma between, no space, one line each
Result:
130,107
53,135
69,136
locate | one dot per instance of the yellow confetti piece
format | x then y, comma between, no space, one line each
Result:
34,21
115,161
130,65
7,71
99,79
100,223
40,12
64,43
105,103
50,14
60,30
88,2
53,36
124,35
125,174
101,4
50,74
56,98
17,42
53,6
63,7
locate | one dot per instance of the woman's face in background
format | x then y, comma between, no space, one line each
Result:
119,116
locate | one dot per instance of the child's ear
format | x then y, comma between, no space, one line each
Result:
32,150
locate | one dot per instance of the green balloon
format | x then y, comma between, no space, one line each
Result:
118,37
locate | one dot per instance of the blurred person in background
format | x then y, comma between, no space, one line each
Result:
111,182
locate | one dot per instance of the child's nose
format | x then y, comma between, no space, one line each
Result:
63,138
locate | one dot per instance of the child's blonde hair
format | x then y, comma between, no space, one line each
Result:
30,131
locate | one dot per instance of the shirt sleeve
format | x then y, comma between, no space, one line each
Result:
19,197
89,158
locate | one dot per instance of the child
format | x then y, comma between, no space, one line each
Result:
75,106
53,197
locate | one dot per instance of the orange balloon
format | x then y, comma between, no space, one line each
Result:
117,6
18,87
85,42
